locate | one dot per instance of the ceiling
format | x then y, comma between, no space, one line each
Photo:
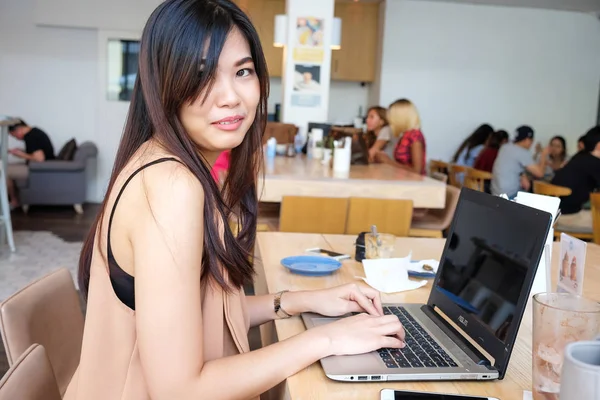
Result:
567,5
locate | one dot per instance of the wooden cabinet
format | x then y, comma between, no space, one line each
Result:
262,13
356,60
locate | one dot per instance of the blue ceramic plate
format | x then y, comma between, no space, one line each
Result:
311,265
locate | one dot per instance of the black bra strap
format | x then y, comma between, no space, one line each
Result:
112,212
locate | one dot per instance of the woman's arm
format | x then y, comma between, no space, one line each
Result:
332,302
377,147
167,266
416,151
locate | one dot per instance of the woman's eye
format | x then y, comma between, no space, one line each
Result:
244,72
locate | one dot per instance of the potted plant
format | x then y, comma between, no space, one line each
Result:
318,150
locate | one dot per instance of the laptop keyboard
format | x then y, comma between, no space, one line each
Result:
421,350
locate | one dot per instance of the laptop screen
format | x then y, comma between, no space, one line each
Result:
486,272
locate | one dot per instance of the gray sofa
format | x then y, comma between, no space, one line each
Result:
56,182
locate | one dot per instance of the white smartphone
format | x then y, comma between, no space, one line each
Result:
329,253
391,394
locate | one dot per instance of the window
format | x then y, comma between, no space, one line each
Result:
122,68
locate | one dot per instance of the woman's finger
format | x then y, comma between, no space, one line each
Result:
391,342
363,301
374,296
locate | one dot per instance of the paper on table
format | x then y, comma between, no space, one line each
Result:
389,275
549,204
527,395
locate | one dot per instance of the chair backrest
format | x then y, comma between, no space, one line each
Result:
84,151
475,179
390,216
438,166
595,201
445,215
439,176
48,312
283,133
453,171
306,214
30,377
548,189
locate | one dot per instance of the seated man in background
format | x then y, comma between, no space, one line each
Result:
514,160
582,176
38,147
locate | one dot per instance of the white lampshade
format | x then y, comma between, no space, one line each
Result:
336,34
280,37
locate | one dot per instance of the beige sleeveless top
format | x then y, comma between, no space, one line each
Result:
110,367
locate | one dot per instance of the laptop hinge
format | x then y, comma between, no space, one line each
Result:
470,350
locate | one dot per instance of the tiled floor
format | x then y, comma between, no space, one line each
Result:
50,237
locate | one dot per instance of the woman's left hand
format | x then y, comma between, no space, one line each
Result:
344,299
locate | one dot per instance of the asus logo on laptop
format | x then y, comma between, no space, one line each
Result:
463,320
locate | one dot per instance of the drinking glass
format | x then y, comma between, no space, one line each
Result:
383,249
558,319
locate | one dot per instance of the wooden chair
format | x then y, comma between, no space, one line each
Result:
475,179
283,133
306,214
434,222
47,312
595,202
30,377
390,216
548,189
439,176
438,166
453,171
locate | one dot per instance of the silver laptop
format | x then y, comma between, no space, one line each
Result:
482,285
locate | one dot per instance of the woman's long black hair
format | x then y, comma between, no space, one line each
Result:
179,36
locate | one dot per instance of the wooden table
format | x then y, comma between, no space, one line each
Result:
300,176
311,383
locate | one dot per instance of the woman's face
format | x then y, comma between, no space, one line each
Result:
373,121
556,147
221,121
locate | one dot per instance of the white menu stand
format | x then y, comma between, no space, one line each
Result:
5,220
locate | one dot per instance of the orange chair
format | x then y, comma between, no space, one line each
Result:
453,172
475,179
389,215
595,201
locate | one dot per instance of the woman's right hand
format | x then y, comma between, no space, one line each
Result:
363,333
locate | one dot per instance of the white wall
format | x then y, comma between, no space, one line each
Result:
465,64
47,75
344,100
100,14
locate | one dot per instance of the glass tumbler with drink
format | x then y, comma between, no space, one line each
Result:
558,319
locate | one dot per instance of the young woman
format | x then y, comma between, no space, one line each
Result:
410,149
470,148
486,158
166,313
377,124
557,157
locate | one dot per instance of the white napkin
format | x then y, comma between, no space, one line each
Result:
527,395
390,275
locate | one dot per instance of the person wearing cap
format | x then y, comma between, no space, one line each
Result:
582,176
514,161
38,147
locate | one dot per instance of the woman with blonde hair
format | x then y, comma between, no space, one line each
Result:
410,150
